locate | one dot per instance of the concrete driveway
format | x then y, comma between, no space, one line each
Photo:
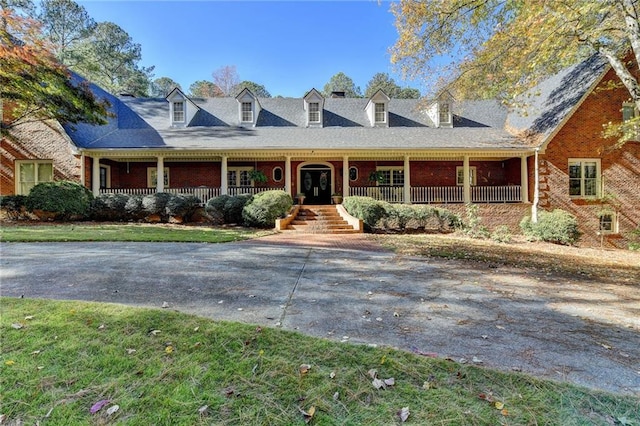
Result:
352,290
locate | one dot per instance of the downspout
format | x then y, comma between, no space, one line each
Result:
536,190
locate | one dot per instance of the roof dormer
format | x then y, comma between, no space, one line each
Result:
441,110
248,108
181,108
313,106
378,109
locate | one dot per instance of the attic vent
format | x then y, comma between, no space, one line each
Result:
337,94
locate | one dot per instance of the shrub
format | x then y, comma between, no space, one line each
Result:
156,204
14,206
502,234
447,220
473,226
133,207
265,207
67,200
109,207
558,227
402,214
234,207
634,239
182,205
368,209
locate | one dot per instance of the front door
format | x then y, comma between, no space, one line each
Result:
316,184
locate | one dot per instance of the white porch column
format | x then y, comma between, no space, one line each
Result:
345,176
407,180
287,175
224,184
95,176
160,175
536,189
466,174
524,179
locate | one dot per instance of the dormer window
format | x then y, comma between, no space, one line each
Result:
381,113
445,113
247,112
314,112
178,112
314,105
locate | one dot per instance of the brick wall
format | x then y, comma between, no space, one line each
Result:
494,215
581,137
36,141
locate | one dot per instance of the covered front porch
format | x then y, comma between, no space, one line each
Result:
412,178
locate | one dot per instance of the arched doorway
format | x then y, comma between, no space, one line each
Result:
315,181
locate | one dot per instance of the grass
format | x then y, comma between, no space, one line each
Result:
161,367
126,232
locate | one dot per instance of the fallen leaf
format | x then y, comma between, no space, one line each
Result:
390,382
9,362
29,317
131,351
154,332
3,417
111,410
477,360
604,345
336,396
98,406
378,384
404,414
35,352
308,415
504,412
304,368
332,374
373,373
499,405
202,409
17,326
427,385
168,349
395,314
196,329
101,327
165,305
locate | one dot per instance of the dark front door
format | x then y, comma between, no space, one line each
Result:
316,185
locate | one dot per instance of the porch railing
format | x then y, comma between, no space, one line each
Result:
253,190
496,194
437,194
441,194
392,194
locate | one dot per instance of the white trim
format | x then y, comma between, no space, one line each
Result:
392,169
582,178
150,178
614,222
238,171
473,175
273,174
36,163
314,163
108,174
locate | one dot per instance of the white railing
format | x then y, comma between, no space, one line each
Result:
437,194
392,194
204,193
496,194
128,191
253,190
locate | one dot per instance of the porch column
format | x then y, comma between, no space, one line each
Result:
287,175
536,188
466,184
407,180
345,176
160,175
95,176
224,184
524,179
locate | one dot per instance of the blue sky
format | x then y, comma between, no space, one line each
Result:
287,46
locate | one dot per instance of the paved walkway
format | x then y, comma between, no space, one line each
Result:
347,288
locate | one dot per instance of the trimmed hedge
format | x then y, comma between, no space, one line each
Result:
227,208
558,227
371,211
109,207
265,207
66,200
14,206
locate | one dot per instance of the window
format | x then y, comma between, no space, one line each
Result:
380,113
152,177
584,176
105,177
314,112
277,174
608,223
445,113
353,173
30,173
239,176
629,111
178,112
247,112
390,176
460,176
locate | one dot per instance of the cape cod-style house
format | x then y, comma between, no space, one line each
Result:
441,151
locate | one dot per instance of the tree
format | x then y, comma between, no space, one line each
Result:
35,86
342,83
505,47
383,81
65,23
109,58
226,78
409,93
162,86
257,89
205,89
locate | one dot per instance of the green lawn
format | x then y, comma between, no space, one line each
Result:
126,232
160,367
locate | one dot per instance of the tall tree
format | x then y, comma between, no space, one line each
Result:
340,82
109,58
205,89
383,81
257,89
160,87
65,24
409,93
226,78
35,86
505,47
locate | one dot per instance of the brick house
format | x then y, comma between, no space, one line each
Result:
441,151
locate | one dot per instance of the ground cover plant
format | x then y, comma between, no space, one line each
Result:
126,232
86,363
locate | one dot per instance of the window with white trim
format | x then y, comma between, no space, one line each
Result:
239,176
608,223
460,175
152,177
390,176
314,112
380,113
105,176
247,112
29,173
584,177
445,113
178,112
277,174
353,173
